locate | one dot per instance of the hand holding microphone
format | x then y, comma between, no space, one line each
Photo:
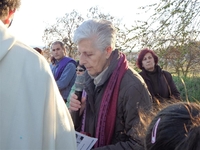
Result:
79,86
75,104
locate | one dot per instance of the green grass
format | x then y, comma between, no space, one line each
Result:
189,87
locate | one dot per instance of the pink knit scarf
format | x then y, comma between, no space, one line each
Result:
108,108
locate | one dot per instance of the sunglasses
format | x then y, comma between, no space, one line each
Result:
80,70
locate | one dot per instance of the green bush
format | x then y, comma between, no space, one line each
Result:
189,87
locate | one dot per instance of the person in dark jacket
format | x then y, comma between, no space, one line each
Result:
176,127
115,93
160,83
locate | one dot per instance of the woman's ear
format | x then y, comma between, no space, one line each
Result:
108,52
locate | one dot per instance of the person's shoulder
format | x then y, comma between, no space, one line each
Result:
71,64
133,73
28,54
132,77
22,47
166,73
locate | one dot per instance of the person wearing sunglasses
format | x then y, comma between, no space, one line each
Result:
80,70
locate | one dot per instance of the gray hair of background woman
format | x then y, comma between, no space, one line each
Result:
102,32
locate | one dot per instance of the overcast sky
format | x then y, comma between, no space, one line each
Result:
30,20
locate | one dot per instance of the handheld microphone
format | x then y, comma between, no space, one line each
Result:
79,86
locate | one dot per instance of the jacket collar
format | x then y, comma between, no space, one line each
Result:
144,73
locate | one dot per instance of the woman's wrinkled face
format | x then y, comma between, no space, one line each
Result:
148,62
94,60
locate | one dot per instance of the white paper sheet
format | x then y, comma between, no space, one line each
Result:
84,142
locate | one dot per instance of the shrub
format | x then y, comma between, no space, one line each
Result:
189,87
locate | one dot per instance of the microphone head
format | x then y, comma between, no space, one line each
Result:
80,82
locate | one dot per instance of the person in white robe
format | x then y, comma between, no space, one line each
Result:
33,115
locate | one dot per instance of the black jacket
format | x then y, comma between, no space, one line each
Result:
165,86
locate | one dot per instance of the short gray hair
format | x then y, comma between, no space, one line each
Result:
102,32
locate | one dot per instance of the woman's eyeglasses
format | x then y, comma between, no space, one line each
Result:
80,70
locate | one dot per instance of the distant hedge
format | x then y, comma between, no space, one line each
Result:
191,89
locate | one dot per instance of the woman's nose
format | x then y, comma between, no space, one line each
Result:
82,59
